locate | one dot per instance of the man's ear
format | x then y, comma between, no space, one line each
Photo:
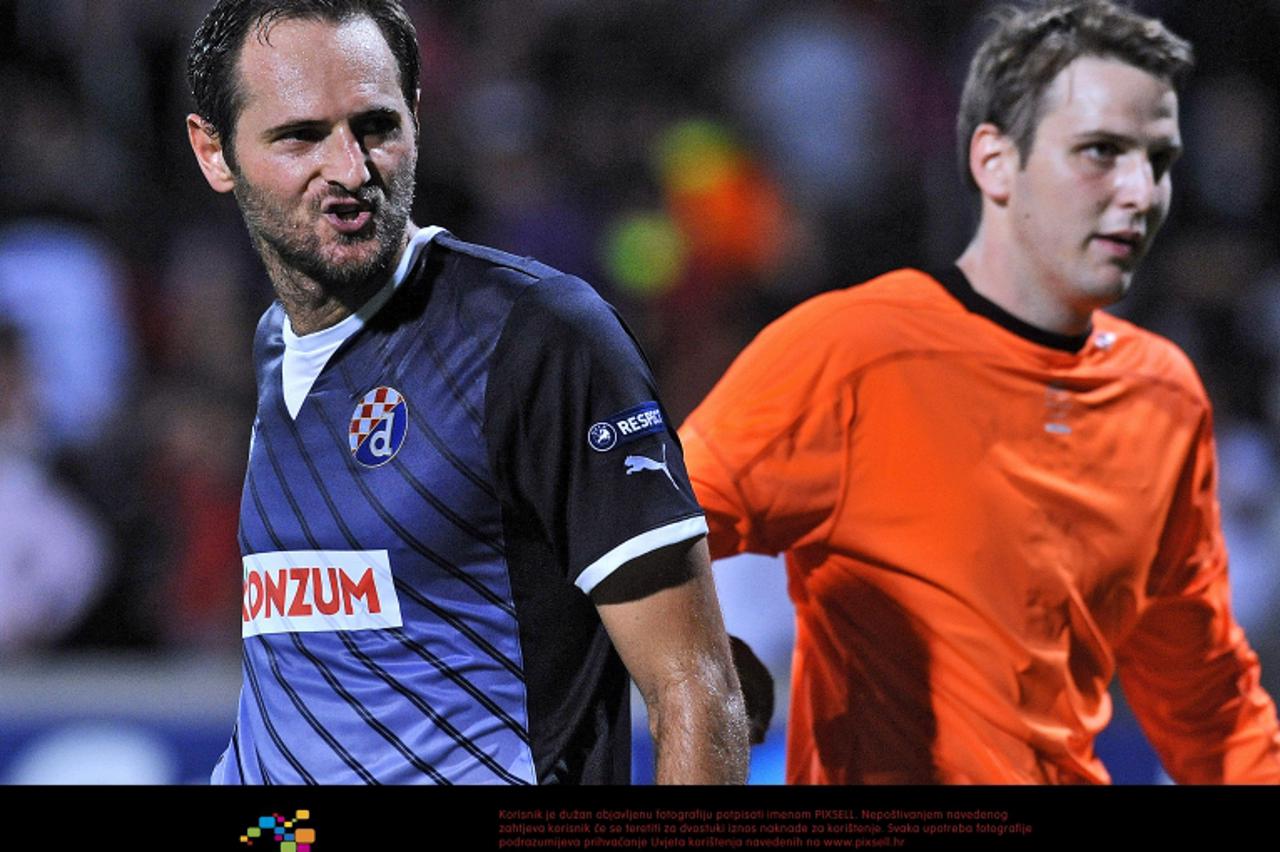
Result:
210,154
993,162
413,109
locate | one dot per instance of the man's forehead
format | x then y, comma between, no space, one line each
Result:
293,56
1100,88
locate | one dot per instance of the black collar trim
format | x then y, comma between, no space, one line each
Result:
954,280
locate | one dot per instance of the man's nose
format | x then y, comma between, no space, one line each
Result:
345,162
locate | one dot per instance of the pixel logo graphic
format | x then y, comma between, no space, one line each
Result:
289,836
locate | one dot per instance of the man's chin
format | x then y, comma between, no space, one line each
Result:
1109,289
1123,281
353,255
339,269
348,268
345,264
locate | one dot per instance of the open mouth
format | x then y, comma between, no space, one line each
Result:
347,217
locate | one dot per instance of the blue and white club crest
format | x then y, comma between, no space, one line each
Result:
378,426
602,437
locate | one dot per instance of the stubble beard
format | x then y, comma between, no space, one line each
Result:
295,255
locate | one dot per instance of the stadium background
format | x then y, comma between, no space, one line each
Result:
705,165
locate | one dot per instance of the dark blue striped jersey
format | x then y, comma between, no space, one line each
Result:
433,486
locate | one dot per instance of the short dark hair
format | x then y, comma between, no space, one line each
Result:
1030,46
215,50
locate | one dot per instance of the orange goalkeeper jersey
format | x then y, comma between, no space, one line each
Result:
983,523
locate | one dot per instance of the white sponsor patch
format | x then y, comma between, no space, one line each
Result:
309,591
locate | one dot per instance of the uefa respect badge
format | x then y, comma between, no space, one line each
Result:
379,425
625,426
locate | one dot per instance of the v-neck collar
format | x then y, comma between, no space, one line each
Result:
305,356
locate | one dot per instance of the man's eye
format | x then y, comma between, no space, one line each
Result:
1102,150
300,135
1161,162
377,126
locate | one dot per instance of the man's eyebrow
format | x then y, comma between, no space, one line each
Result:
293,126
1165,144
379,112
314,124
1099,134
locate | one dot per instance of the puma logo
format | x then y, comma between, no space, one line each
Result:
636,464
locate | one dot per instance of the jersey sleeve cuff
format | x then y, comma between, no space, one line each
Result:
646,542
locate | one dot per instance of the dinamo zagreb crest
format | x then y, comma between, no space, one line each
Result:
378,426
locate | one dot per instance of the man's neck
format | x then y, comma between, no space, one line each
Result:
996,276
313,305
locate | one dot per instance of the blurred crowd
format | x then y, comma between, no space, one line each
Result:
705,165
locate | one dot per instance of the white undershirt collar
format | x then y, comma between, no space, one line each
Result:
305,355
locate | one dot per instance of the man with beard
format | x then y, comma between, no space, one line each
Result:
448,441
